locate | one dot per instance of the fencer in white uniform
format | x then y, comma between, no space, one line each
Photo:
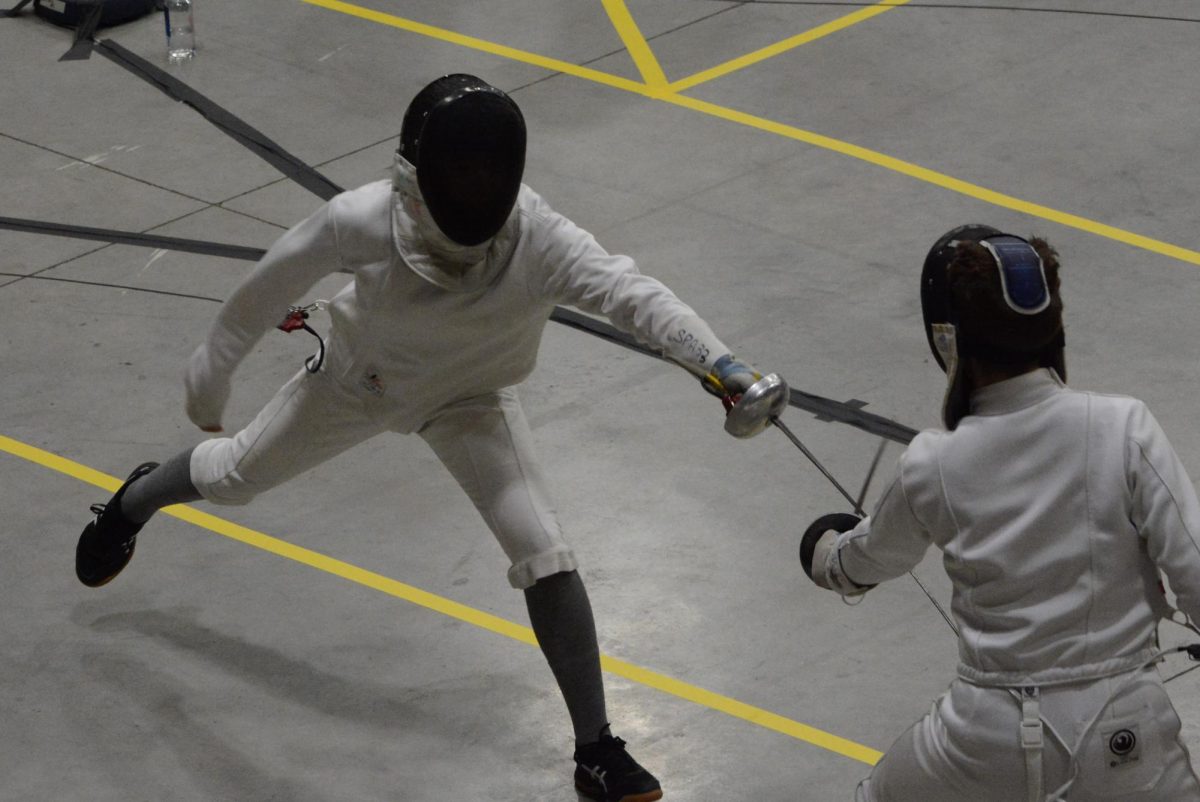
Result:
456,268
428,338
1055,511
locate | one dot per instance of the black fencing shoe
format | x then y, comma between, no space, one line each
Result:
106,545
605,772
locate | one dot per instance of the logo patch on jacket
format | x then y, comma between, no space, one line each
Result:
1124,746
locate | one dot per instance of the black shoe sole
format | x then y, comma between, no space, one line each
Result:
588,795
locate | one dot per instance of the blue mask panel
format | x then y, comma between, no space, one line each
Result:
1021,274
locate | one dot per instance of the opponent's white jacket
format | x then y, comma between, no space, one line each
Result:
409,337
1055,509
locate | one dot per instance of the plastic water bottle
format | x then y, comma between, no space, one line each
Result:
181,30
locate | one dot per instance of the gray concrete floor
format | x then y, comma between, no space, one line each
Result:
214,669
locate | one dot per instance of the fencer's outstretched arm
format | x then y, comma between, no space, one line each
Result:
892,541
579,272
299,259
1164,509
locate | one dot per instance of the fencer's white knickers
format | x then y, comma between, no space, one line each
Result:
968,747
484,442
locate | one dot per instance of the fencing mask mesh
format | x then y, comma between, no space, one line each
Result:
466,140
988,295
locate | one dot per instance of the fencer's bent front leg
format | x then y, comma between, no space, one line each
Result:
486,445
561,617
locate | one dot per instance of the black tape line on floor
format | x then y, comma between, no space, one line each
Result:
255,140
81,47
824,409
15,10
132,238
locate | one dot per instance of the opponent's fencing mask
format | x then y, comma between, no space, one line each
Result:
466,140
989,295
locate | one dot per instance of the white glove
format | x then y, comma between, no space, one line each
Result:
820,558
207,391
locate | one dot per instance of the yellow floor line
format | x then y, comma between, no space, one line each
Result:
938,179
524,56
790,43
453,609
636,44
845,148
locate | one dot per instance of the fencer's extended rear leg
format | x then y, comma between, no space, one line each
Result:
106,545
169,483
304,424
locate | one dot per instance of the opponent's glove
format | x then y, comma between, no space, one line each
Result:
820,559
729,377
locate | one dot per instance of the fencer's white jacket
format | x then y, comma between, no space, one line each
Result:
1055,510
408,336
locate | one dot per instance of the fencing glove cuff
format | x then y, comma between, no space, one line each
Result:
730,377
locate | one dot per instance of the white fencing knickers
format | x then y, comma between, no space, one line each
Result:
484,442
968,747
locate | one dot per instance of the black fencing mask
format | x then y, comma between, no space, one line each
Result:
466,140
1006,314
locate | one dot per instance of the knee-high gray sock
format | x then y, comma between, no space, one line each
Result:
561,616
169,483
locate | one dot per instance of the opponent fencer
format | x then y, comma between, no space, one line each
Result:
1055,511
456,268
